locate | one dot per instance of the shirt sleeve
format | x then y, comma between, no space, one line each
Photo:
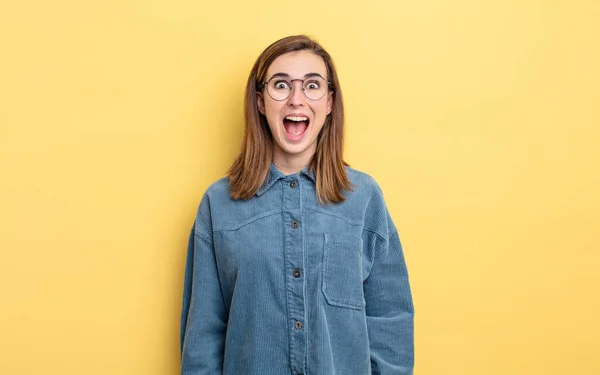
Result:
203,316
389,308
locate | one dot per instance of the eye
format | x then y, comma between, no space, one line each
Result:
312,85
282,85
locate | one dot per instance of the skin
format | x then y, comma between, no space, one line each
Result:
293,156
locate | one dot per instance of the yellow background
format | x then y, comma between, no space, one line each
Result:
479,119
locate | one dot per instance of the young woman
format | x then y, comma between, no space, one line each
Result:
294,265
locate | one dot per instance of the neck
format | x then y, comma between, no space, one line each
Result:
290,164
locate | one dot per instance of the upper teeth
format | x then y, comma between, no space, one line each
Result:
297,118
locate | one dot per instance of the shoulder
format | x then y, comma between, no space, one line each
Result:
214,196
366,190
218,189
364,184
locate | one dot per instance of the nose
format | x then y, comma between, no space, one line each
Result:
297,96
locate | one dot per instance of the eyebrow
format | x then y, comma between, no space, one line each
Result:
307,75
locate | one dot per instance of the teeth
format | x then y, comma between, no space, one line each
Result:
296,118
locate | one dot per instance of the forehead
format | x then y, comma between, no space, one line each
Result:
298,64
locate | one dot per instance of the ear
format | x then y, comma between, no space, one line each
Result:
260,100
329,102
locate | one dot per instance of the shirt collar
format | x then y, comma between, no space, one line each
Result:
275,175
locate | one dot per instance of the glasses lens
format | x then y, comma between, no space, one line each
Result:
315,88
279,89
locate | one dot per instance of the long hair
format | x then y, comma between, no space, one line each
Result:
251,167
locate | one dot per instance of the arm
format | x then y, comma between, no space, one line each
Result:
389,308
203,316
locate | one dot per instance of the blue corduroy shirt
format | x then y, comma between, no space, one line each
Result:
279,284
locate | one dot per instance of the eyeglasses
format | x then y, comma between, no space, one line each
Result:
279,88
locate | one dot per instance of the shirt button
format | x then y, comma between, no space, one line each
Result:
295,224
298,325
296,272
293,184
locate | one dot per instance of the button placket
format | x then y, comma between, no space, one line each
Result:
295,283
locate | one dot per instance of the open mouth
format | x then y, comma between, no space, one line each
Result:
295,126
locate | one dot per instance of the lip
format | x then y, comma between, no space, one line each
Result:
299,137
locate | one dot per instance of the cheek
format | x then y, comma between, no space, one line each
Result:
272,115
320,109
272,110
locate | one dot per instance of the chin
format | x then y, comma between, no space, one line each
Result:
294,148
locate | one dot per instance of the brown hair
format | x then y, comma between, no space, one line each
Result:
251,167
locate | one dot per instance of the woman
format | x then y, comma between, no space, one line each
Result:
294,265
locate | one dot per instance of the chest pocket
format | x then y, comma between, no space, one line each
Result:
342,271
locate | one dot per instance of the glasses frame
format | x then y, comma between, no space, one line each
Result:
265,87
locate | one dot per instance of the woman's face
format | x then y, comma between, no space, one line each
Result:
295,122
